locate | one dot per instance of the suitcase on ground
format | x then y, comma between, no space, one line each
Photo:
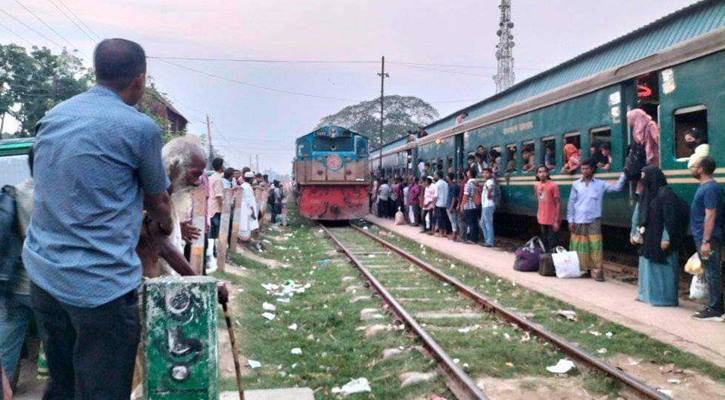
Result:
527,257
546,265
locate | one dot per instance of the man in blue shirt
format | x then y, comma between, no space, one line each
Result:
584,213
97,165
706,226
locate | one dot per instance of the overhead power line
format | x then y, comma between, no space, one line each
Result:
70,10
49,27
440,70
16,34
41,34
71,20
255,85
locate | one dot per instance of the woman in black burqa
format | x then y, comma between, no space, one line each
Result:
659,224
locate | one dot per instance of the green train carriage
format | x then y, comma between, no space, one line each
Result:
672,68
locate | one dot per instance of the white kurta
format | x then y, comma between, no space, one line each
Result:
247,224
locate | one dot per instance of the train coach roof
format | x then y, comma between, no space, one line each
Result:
692,21
331,131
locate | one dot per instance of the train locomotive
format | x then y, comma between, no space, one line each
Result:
332,175
671,68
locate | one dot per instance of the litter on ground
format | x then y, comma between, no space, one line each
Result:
269,316
568,314
359,385
296,351
254,364
562,367
269,307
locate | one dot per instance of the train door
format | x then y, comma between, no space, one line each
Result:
460,158
648,94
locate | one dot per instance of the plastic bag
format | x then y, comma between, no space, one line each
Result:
566,263
698,287
399,218
694,265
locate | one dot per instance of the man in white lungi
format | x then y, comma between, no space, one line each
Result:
248,222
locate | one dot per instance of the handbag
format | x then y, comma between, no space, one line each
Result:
566,263
694,265
527,256
546,265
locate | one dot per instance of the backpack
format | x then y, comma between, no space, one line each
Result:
271,198
11,242
635,161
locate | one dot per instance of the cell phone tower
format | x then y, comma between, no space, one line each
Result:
505,76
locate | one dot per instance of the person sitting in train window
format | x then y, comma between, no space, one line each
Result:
529,159
645,132
410,135
696,141
605,161
480,163
439,166
511,165
480,150
421,133
595,153
572,159
461,117
471,160
550,158
426,169
494,161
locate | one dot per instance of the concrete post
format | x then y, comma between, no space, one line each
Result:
223,239
198,220
179,345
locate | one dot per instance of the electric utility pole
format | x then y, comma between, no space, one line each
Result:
382,76
208,142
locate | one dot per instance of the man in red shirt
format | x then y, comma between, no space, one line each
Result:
548,215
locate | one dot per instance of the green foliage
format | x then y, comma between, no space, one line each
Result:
401,114
32,83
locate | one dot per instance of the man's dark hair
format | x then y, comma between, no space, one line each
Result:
473,172
229,173
439,174
217,164
590,162
471,157
540,167
487,169
479,156
452,176
708,165
117,62
430,181
265,177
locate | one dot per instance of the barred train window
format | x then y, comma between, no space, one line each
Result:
693,120
548,152
511,162
528,152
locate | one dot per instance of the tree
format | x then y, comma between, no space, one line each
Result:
401,114
31,84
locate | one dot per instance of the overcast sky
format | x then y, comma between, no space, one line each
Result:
250,120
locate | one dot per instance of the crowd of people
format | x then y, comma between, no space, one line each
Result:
461,206
75,259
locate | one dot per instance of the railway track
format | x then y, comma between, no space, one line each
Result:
433,304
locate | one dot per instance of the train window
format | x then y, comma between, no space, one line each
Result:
690,126
572,145
361,147
494,159
511,162
548,152
528,154
450,165
324,143
600,147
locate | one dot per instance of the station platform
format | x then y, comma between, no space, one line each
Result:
611,300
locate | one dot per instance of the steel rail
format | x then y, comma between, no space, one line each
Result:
461,379
640,388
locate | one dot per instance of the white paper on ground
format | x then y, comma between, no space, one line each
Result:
354,386
296,351
269,316
254,364
292,327
268,307
562,367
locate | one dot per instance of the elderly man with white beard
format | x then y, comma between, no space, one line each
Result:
184,162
